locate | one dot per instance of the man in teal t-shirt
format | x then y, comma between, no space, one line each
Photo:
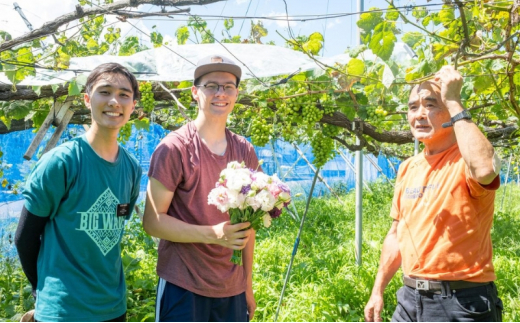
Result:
77,199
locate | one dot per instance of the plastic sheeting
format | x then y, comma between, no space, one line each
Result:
177,63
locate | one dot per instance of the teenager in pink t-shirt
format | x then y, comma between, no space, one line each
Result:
443,211
197,281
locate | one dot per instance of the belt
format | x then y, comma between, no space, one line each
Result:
436,285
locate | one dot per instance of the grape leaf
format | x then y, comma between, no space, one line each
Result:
74,88
383,42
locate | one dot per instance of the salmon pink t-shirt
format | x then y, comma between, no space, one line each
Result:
445,219
186,166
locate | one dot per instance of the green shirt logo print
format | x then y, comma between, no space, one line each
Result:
101,223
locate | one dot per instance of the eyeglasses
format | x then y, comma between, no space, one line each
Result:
212,88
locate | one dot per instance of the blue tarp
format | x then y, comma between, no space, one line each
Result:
279,157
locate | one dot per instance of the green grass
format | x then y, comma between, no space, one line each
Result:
325,283
506,250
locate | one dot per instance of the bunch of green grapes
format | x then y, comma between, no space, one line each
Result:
124,133
185,98
286,118
285,108
248,113
147,100
306,104
288,131
330,130
328,105
260,132
311,114
292,105
376,115
322,148
295,103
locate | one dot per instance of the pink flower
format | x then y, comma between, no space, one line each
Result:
219,197
274,189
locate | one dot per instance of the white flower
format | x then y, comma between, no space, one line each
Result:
284,197
253,202
266,200
236,200
260,180
267,220
238,179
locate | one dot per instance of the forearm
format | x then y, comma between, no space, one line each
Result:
390,261
475,148
248,257
159,224
27,241
166,227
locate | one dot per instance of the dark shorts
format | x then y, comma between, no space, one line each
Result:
176,304
475,304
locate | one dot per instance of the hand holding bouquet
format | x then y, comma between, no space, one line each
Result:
249,196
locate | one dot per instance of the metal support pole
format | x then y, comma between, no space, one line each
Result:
361,8
391,165
27,23
359,203
416,148
505,184
296,244
20,12
278,170
359,172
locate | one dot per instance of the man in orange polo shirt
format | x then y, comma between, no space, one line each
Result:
443,212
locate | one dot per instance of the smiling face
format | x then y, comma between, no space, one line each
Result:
219,104
427,113
110,101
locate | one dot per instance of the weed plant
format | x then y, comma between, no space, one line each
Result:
15,290
325,283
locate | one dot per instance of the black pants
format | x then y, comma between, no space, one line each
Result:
476,304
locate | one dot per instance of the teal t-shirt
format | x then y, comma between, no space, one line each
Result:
80,272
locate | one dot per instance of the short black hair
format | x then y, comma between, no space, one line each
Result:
112,68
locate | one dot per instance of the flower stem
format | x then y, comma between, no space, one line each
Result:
237,257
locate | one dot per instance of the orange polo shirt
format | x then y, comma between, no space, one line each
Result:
445,219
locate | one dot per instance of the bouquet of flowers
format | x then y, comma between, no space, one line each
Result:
249,196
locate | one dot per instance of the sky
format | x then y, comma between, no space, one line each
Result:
340,32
